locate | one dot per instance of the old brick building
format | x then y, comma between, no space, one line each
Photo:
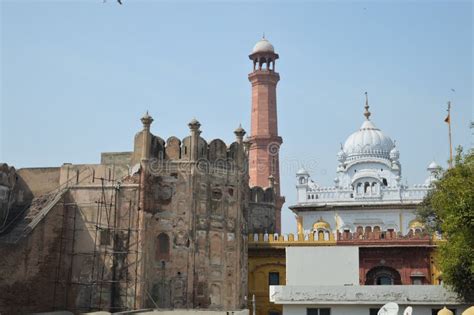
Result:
162,226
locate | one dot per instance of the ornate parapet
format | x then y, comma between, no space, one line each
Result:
282,240
214,155
316,194
265,240
388,238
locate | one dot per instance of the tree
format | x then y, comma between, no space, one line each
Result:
449,209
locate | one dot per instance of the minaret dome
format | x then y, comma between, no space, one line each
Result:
263,56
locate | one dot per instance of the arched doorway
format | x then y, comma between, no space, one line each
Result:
382,275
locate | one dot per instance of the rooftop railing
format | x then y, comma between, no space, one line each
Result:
345,238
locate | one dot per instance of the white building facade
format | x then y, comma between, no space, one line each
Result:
368,195
329,286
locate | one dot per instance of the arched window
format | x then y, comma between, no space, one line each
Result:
382,275
162,247
359,188
415,228
384,181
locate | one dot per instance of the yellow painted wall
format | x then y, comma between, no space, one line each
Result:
267,254
435,272
261,263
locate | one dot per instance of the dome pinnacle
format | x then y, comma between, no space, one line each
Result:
366,113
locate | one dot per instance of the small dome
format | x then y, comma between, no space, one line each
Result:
302,172
415,224
445,311
368,141
341,156
239,129
433,166
321,224
263,45
469,311
147,119
239,132
194,123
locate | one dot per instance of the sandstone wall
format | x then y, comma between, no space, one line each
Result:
40,180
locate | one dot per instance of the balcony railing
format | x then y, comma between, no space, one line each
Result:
345,238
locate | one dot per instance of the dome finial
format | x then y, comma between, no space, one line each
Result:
367,113
263,35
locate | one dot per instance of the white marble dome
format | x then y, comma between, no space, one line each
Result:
263,45
368,141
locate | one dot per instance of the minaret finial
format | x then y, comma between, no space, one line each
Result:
147,120
263,36
367,113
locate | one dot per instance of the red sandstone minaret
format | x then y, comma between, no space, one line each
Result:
265,142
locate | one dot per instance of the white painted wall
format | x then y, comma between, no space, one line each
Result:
384,218
289,309
324,265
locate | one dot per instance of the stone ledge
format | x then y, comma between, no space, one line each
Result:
401,294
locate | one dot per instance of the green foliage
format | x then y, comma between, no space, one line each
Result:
449,209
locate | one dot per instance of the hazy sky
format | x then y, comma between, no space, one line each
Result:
76,76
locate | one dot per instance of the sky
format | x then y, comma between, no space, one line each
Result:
76,76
